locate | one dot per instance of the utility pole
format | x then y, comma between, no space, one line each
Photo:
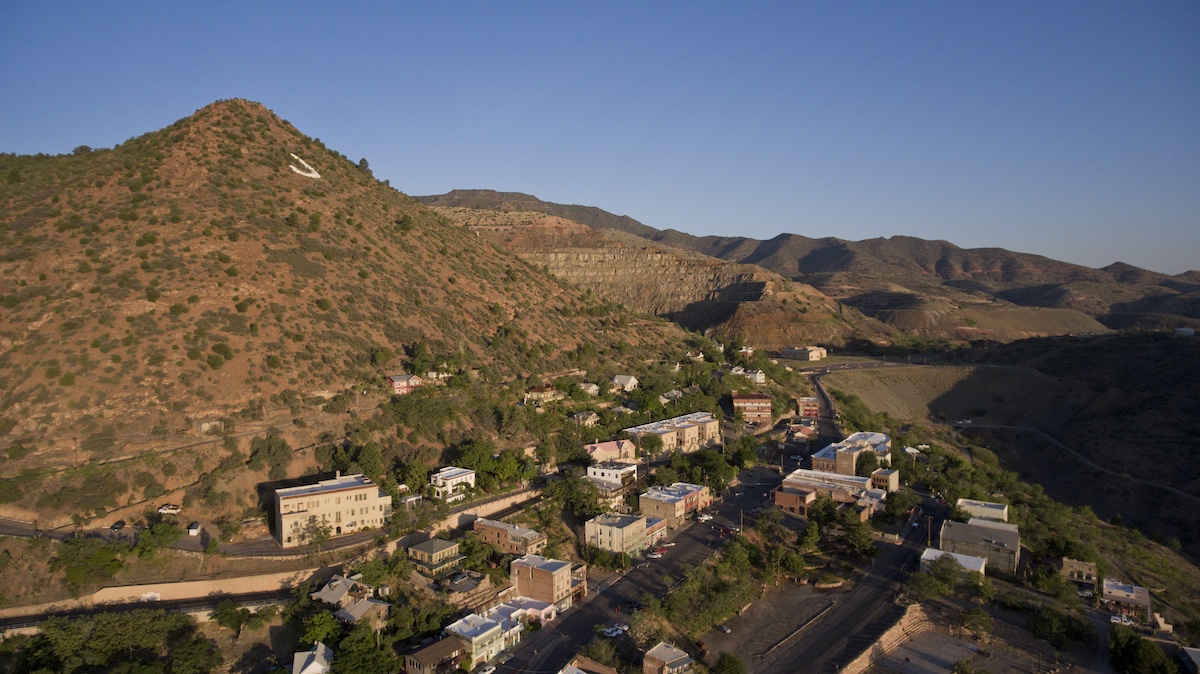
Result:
929,531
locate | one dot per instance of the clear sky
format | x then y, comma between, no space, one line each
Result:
1065,128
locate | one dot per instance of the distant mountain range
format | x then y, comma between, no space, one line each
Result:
932,288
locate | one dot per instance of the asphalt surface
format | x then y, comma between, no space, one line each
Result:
551,648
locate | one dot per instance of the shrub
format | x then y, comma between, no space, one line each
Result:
178,309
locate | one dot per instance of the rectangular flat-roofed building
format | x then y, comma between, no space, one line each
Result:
842,457
687,433
345,504
674,503
623,534
548,580
968,562
754,407
510,538
987,510
1001,546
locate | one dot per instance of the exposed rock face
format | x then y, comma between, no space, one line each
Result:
694,290
695,293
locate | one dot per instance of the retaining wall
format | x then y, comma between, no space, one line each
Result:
914,621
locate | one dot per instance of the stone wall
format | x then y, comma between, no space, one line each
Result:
914,621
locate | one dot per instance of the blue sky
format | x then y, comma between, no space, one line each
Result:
1068,129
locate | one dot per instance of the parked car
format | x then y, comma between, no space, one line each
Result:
169,509
1086,594
118,525
490,669
704,517
654,555
661,551
1120,620
724,628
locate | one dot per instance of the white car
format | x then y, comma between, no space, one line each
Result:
704,517
169,509
654,555
1120,620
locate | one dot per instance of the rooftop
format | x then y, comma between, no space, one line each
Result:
440,650
433,546
819,477
667,653
514,529
991,524
981,505
472,626
358,609
1126,593
968,562
539,562
974,533
452,472
665,425
325,486
614,520
675,492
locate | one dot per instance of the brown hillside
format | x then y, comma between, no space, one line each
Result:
694,290
192,275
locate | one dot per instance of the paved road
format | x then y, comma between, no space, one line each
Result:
553,647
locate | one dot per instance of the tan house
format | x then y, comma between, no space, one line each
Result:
510,538
435,557
1132,600
754,407
543,394
1086,573
586,418
674,503
343,505
441,657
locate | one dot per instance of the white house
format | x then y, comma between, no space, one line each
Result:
450,482
625,382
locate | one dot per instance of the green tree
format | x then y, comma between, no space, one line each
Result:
867,463
358,652
859,539
1133,654
228,614
926,586
322,627
729,663
977,621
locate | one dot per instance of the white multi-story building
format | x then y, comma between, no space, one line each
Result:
345,504
450,483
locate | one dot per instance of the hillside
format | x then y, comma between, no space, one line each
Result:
698,292
930,289
887,274
1127,403
491,200
230,269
